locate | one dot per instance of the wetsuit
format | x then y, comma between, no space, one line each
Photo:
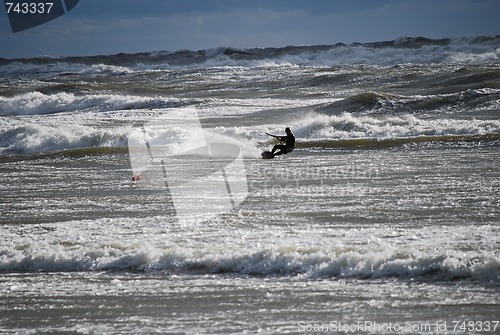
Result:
289,140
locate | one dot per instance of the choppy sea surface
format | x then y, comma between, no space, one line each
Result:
385,219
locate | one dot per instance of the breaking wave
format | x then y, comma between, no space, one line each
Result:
312,130
36,138
286,261
408,50
37,103
350,126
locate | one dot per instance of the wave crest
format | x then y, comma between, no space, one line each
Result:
407,50
37,103
283,261
35,138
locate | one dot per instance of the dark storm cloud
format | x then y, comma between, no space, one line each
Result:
113,26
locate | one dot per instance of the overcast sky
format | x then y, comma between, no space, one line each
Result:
114,26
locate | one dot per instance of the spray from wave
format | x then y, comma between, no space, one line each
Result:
365,262
37,103
409,50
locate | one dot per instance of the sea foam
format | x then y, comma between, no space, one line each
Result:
37,103
283,261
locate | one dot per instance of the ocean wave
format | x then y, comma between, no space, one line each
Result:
36,138
415,50
284,261
313,130
466,98
37,103
349,126
409,50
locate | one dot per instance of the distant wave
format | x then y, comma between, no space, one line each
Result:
406,50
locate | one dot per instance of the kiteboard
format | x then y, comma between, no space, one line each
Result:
267,155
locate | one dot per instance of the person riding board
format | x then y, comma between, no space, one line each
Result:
289,145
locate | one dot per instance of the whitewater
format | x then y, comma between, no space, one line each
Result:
386,213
